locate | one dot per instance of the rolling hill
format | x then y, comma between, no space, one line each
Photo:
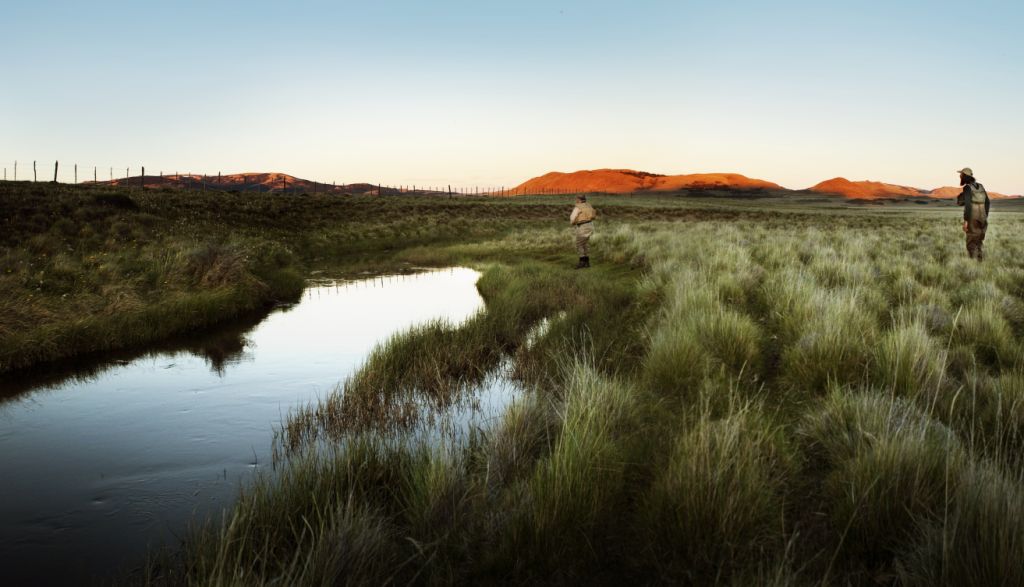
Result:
620,181
874,190
258,182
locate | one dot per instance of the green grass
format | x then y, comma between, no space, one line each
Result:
742,391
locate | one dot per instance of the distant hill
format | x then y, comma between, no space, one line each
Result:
952,192
620,181
865,190
873,190
257,182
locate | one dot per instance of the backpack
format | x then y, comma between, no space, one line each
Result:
975,194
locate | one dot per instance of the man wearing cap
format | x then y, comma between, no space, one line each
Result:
976,203
582,220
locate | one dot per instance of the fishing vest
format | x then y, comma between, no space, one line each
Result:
974,193
587,213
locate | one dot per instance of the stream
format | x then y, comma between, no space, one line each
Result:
105,460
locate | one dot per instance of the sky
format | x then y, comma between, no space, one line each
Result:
489,94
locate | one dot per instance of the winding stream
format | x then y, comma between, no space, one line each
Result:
103,462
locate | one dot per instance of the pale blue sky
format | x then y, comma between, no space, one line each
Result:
480,93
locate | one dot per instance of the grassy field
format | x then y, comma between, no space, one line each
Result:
87,269
739,392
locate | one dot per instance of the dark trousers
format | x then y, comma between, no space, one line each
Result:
975,238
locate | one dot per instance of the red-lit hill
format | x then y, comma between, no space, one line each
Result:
874,190
866,190
621,181
952,192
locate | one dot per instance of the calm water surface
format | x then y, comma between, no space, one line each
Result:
99,464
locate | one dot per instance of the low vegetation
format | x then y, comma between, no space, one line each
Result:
737,393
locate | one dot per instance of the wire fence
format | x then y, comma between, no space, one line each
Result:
137,177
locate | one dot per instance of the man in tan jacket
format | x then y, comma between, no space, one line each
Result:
582,220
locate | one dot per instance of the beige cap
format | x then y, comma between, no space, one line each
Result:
966,171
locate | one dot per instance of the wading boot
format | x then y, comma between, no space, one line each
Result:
586,262
582,264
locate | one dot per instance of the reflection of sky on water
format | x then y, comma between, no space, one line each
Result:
96,467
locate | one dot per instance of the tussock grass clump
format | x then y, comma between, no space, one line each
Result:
719,501
990,412
436,495
1002,413
909,361
527,432
677,362
834,344
324,516
732,339
697,336
980,541
584,478
982,326
886,468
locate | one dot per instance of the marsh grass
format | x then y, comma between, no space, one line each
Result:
719,501
585,475
979,541
737,393
886,469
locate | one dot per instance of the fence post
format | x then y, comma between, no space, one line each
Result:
94,174
142,178
76,172
35,177
15,171
55,164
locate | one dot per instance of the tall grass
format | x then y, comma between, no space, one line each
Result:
736,393
719,501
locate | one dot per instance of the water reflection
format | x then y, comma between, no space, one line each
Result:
102,460
219,348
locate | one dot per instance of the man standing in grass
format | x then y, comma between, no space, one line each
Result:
975,201
582,219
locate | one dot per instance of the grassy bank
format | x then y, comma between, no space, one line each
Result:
96,270
86,269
